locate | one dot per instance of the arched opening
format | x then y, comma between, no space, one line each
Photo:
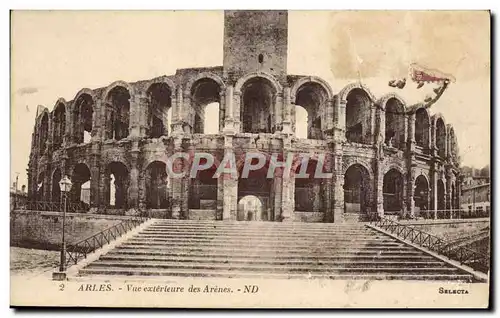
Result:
422,128
440,196
313,98
309,192
203,189
301,120
453,147
394,124
116,182
117,113
393,191
39,193
421,195
441,138
250,208
256,184
358,118
205,95
258,98
454,199
56,190
82,118
159,103
79,192
157,185
356,189
44,132
59,125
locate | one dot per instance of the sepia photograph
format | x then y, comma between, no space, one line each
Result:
250,159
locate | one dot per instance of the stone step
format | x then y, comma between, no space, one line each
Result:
240,274
269,267
246,244
167,222
260,251
414,256
206,231
182,235
277,262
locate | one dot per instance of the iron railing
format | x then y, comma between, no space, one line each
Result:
464,255
453,214
79,250
74,207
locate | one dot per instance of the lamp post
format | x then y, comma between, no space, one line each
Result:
65,186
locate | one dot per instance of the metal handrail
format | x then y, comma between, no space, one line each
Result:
464,255
79,250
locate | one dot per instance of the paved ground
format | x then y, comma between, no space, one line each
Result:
25,261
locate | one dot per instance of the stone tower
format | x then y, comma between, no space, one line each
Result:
255,41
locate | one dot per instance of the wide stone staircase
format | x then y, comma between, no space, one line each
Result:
269,250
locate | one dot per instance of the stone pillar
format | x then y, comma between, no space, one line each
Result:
95,178
135,116
380,134
230,185
177,188
229,113
338,185
187,114
277,125
287,105
410,192
287,197
133,189
433,189
411,133
275,196
222,111
448,198
177,112
372,130
237,111
142,102
379,187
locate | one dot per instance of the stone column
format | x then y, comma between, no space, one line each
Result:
177,188
95,180
338,185
222,111
380,134
177,113
433,189
372,131
411,133
410,192
187,114
379,187
133,189
229,113
236,111
135,116
286,122
287,197
230,185
277,125
447,194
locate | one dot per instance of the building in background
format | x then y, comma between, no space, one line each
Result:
386,157
475,199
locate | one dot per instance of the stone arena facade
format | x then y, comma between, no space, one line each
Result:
386,157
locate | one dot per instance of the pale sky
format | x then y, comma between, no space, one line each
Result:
55,54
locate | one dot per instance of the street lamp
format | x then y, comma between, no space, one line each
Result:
65,186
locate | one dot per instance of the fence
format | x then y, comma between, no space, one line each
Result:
452,214
74,207
464,255
79,250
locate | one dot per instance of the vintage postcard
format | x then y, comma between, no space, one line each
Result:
250,159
